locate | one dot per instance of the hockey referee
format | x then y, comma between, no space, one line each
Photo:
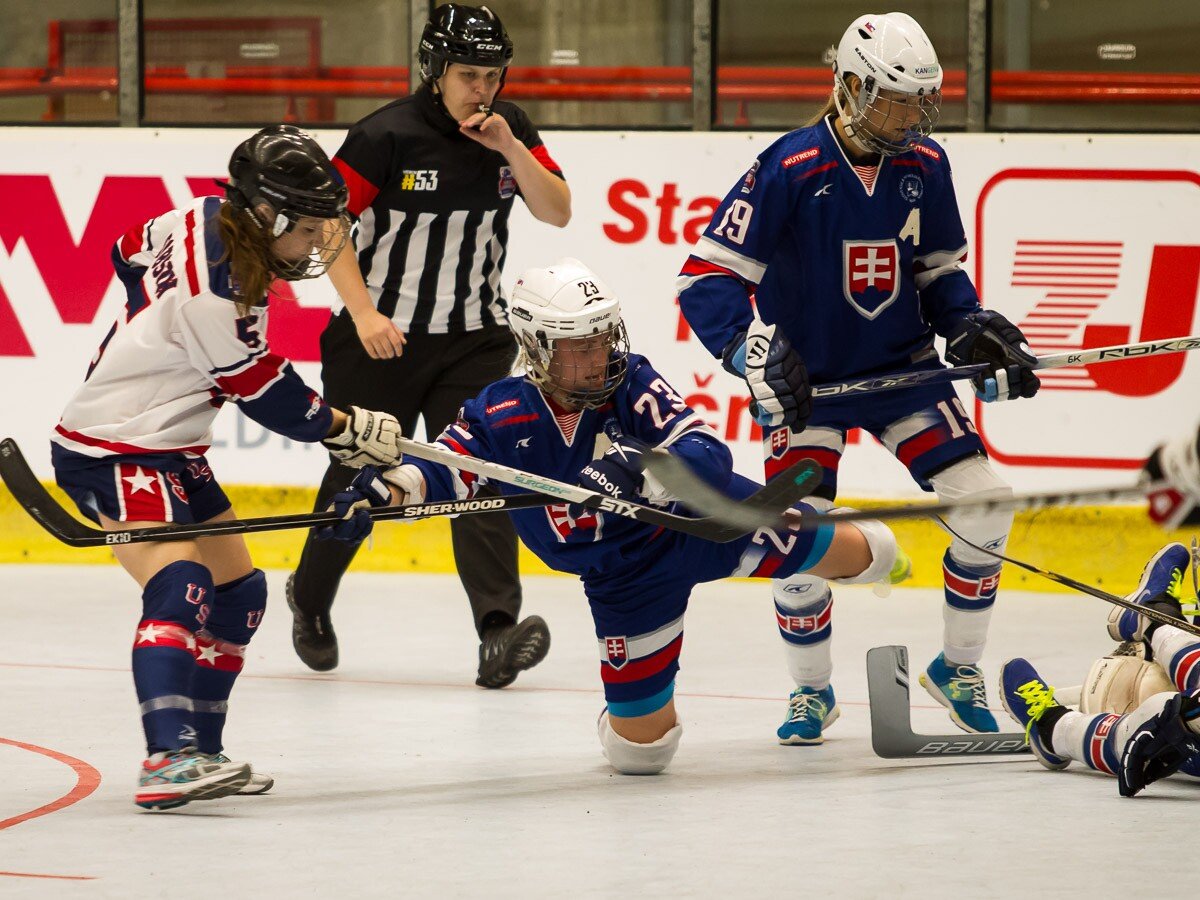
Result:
432,178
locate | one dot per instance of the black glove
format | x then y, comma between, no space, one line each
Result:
776,374
988,337
618,472
1160,746
368,489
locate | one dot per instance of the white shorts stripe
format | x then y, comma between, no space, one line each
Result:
646,644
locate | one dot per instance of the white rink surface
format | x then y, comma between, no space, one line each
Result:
397,777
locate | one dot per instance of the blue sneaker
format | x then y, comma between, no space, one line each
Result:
1159,588
1027,698
961,690
810,712
173,779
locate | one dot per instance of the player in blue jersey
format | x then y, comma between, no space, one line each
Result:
585,411
847,236
1139,708
129,448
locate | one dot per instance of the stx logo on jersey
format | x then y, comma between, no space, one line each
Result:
870,281
617,650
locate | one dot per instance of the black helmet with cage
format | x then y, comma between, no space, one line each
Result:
284,168
470,35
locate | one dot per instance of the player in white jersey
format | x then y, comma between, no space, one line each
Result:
129,449
1139,708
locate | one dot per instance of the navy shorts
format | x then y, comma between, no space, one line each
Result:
925,427
168,487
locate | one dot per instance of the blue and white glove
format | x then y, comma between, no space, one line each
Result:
1161,745
618,472
775,373
988,337
368,489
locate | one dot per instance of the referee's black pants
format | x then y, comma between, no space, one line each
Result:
436,373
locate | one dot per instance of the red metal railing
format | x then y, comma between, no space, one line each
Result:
318,86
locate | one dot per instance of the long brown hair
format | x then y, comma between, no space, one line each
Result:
247,248
830,108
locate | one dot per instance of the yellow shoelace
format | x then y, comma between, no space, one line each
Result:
1038,698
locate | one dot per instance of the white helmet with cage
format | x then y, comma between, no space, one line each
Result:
901,83
567,301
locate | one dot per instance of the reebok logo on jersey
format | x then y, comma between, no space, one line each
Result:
800,157
524,442
823,192
419,180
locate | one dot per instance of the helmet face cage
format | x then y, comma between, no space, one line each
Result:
563,378
876,113
323,250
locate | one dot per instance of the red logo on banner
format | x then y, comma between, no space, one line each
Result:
78,273
1091,286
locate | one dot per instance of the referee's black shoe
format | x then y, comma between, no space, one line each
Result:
312,635
510,648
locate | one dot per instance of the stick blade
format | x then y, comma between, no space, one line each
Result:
892,736
762,509
36,500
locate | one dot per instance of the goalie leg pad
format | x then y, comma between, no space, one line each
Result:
629,758
1120,684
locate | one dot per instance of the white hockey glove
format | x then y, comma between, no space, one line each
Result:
1177,463
369,438
775,373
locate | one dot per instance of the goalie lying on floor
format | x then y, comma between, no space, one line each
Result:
584,392
1139,709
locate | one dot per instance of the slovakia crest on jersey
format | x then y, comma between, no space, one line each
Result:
870,275
617,650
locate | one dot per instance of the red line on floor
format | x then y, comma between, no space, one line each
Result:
87,779
516,689
56,877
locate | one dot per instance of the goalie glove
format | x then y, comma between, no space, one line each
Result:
1161,745
1177,463
369,438
987,337
775,373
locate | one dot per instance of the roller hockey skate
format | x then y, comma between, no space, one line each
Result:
258,783
810,712
1030,701
509,649
312,635
179,777
961,690
1160,588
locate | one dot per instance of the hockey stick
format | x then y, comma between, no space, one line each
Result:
892,736
36,500
763,509
47,512
1152,614
682,482
1051,361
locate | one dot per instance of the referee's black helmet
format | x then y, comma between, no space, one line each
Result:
471,35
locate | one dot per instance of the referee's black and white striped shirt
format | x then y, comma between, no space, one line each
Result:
432,210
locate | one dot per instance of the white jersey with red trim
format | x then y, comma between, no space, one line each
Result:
179,349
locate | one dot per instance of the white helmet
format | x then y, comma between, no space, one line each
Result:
566,301
889,52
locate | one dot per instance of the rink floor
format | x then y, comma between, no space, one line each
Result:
397,777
